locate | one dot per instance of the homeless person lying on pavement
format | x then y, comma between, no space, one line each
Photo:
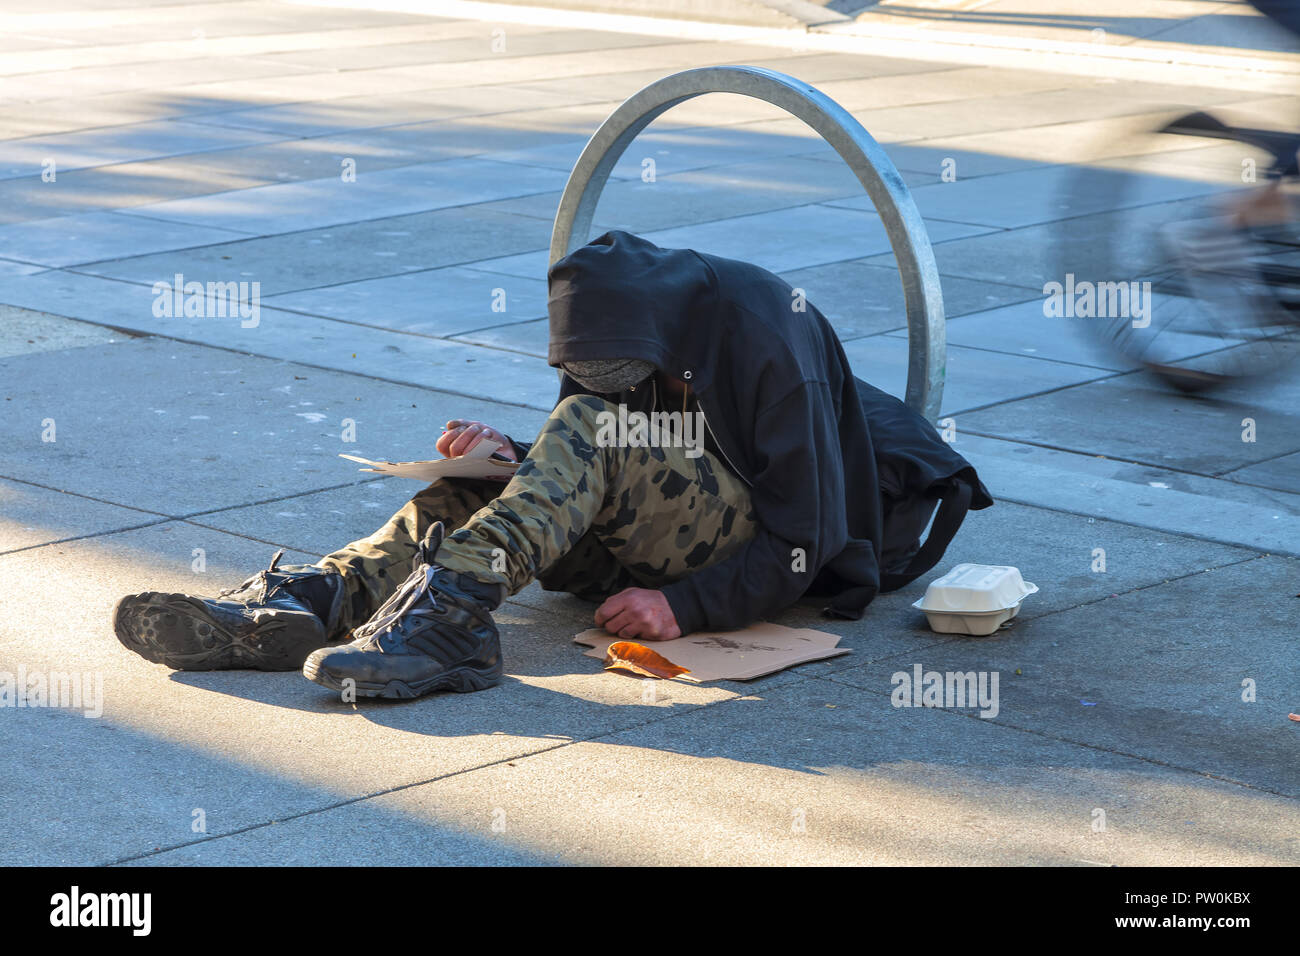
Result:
784,500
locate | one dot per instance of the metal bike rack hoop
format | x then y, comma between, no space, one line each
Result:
922,295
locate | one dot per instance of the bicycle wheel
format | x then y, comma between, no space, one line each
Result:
1177,289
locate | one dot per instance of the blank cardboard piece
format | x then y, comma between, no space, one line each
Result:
755,651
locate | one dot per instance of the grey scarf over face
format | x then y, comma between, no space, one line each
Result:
608,376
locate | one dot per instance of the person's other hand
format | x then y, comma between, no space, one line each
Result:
637,613
461,435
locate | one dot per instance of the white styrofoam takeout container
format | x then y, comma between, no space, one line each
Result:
974,599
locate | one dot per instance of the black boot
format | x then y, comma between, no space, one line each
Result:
271,622
435,633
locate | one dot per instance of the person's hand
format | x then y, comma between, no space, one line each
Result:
637,613
461,435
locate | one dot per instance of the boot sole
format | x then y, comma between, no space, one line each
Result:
461,680
167,629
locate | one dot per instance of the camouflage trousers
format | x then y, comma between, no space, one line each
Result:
579,515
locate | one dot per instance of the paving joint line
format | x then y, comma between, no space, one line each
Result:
1190,535
164,518
1222,474
690,708
78,494
323,368
84,537
1257,556
1048,391
1096,747
1124,461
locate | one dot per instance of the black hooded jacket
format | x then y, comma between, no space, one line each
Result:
783,406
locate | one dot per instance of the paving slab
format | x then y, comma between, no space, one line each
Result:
92,236
1210,510
349,253
310,341
345,116
294,207
10,268
1276,389
433,302
864,299
1025,198
975,377
859,782
153,787
530,338
956,83
677,148
1282,473
796,238
103,188
182,439
984,116
667,56
124,54
781,240
1073,141
1010,457
289,160
660,198
1088,245
498,136
350,834
509,41
1220,163
92,82
1136,419
924,165
31,515
1023,329
1158,673
116,144
72,114
816,68
23,331
309,86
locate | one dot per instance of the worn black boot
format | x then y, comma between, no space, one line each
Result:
435,633
271,622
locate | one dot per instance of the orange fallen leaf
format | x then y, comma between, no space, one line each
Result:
639,659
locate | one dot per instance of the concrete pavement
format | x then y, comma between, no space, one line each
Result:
389,180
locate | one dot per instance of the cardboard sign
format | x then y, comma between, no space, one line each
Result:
474,464
755,651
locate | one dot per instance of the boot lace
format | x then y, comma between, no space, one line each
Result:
403,605
267,582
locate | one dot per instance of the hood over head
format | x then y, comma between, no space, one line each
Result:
622,298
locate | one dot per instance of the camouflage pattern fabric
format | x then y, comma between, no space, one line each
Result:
579,516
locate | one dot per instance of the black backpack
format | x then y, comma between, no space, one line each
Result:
918,472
